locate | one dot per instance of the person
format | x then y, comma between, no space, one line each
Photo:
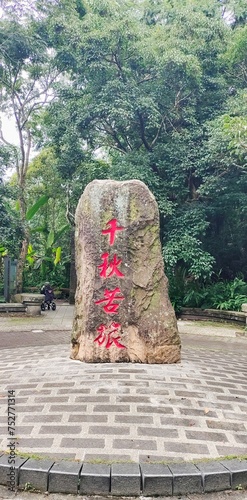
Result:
47,291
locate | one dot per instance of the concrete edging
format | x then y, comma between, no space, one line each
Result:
218,315
125,479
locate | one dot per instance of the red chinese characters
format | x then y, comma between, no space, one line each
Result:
105,335
110,268
112,230
110,296
110,334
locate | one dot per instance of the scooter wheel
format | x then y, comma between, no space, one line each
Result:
53,306
42,307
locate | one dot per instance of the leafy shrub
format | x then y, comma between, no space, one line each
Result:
228,295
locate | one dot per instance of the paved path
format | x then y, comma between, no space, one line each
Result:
61,319
192,410
23,495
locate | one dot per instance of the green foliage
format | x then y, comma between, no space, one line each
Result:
58,276
50,255
143,80
153,90
187,251
3,251
229,295
10,231
34,209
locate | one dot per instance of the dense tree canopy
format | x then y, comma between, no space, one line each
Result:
143,83
154,90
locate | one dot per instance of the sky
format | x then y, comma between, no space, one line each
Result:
9,131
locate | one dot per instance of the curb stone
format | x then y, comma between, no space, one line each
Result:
157,479
215,476
35,472
186,479
125,479
95,479
64,477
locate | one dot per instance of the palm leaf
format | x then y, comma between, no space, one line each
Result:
32,210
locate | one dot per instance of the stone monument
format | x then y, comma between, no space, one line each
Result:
122,309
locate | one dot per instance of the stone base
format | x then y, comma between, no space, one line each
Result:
135,353
32,309
31,301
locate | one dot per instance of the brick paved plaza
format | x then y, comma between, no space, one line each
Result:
122,412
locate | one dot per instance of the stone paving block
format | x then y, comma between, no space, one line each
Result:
238,470
241,438
234,416
29,409
156,479
179,422
206,436
160,432
112,390
135,383
111,408
228,426
64,408
104,457
60,429
35,472
186,479
225,451
125,479
155,409
215,476
186,448
92,399
36,443
133,399
64,477
82,443
111,429
42,418
133,419
198,413
5,468
95,479
134,444
88,418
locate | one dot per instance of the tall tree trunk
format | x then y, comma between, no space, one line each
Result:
73,280
25,241
21,264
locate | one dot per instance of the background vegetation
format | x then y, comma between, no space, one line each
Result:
154,90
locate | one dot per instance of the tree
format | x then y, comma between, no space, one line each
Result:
26,78
10,231
225,168
143,81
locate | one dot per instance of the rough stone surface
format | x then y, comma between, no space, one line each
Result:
125,479
64,477
156,480
95,479
35,473
7,465
147,331
186,479
238,470
215,476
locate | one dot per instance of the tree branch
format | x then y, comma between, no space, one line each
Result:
109,130
142,130
158,132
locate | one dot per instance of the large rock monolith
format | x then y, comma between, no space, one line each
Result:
122,309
